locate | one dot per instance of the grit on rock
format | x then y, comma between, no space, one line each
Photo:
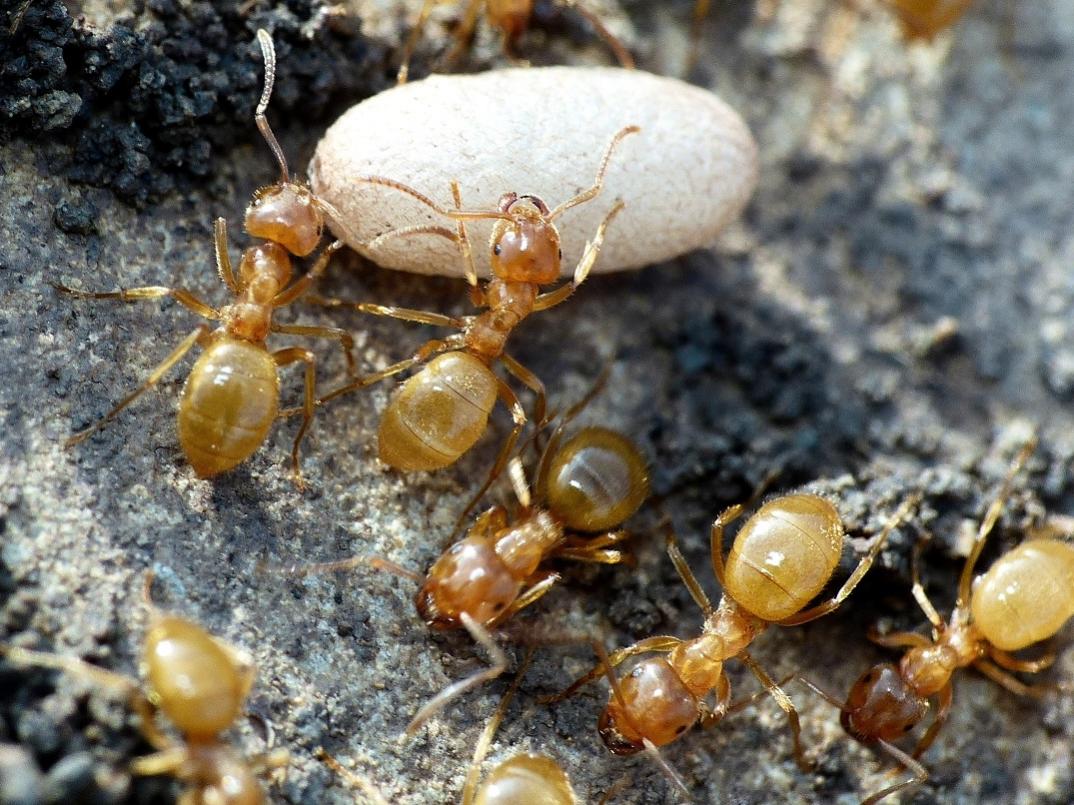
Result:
892,313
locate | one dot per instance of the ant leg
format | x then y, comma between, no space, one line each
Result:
499,664
489,732
725,518
920,774
184,298
352,777
167,761
303,283
898,639
785,703
687,575
1015,686
620,51
429,349
943,710
585,265
412,42
752,699
375,562
287,356
465,32
598,182
346,341
477,293
519,416
401,313
859,572
917,589
1009,663
989,522
530,381
69,665
595,549
662,643
701,11
223,260
197,336
711,717
530,595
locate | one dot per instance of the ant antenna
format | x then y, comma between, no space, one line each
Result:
268,54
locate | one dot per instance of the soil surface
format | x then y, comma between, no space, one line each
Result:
892,314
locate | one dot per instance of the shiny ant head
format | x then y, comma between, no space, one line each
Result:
469,578
288,214
526,248
882,706
656,705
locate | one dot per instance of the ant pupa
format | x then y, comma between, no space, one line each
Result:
588,484
199,684
440,412
781,559
1025,596
231,396
511,18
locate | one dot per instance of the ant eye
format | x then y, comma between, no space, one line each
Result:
496,249
680,730
561,254
907,727
498,606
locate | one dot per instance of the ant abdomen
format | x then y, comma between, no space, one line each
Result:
1006,600
437,414
784,555
227,778
198,683
656,706
470,577
229,403
526,778
595,480
882,705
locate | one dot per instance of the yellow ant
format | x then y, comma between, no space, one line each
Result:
231,397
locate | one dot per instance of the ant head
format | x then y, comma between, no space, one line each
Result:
510,16
288,214
882,705
197,681
594,480
526,248
470,578
655,705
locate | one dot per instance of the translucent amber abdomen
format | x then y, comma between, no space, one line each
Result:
438,414
784,555
194,680
1027,595
228,404
529,779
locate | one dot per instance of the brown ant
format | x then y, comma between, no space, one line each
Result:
781,558
511,18
587,485
1025,597
200,684
440,412
231,396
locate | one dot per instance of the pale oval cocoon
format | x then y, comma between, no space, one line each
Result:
539,131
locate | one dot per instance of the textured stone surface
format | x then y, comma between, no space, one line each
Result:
891,314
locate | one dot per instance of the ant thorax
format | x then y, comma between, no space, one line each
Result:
522,546
509,303
732,628
928,669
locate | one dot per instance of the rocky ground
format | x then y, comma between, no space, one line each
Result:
892,314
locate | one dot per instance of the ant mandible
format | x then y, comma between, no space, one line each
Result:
781,558
587,485
200,684
511,18
440,412
231,396
1025,597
